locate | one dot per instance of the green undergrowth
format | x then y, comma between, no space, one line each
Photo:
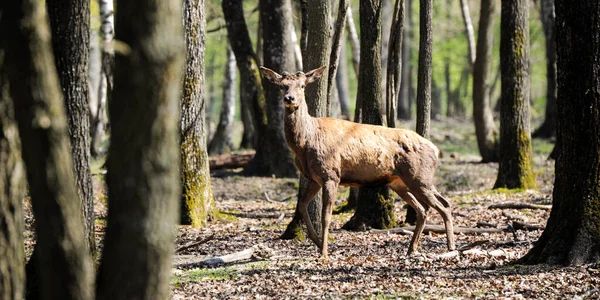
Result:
217,274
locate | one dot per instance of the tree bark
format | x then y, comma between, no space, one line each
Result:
464,9
273,156
144,186
572,235
221,141
354,41
515,169
376,207
387,6
394,65
40,114
424,83
70,28
404,98
317,21
485,129
197,203
548,127
251,90
341,82
12,192
99,122
336,45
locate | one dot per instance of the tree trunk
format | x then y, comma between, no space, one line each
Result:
394,65
424,83
354,41
376,207
334,58
251,90
70,28
317,21
548,127
485,129
404,98
197,203
12,192
144,186
464,8
40,113
341,82
99,120
273,156
221,141
515,169
572,235
386,24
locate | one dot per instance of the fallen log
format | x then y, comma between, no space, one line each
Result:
229,258
438,229
230,161
525,226
514,205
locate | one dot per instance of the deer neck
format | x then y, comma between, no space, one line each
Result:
299,127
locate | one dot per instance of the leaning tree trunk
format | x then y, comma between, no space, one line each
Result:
466,15
221,141
485,129
548,127
251,90
70,28
317,20
197,203
572,235
273,156
12,192
341,82
375,207
515,169
40,113
394,65
143,163
424,82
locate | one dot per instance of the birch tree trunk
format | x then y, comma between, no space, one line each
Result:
143,179
43,128
221,141
464,9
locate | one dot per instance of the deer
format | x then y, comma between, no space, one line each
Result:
333,152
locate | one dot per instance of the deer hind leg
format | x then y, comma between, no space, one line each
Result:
431,197
421,210
329,194
311,191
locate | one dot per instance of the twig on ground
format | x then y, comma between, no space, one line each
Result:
233,257
515,205
438,229
524,226
194,244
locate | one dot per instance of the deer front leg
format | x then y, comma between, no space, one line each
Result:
311,191
329,193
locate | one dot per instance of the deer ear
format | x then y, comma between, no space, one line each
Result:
271,75
315,74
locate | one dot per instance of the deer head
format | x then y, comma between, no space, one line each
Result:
292,85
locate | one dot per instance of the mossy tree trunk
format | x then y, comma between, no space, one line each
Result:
221,140
572,235
12,191
144,184
516,169
273,156
70,28
65,270
197,203
548,127
251,91
317,19
485,129
375,207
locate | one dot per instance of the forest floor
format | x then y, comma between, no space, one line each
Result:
254,212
